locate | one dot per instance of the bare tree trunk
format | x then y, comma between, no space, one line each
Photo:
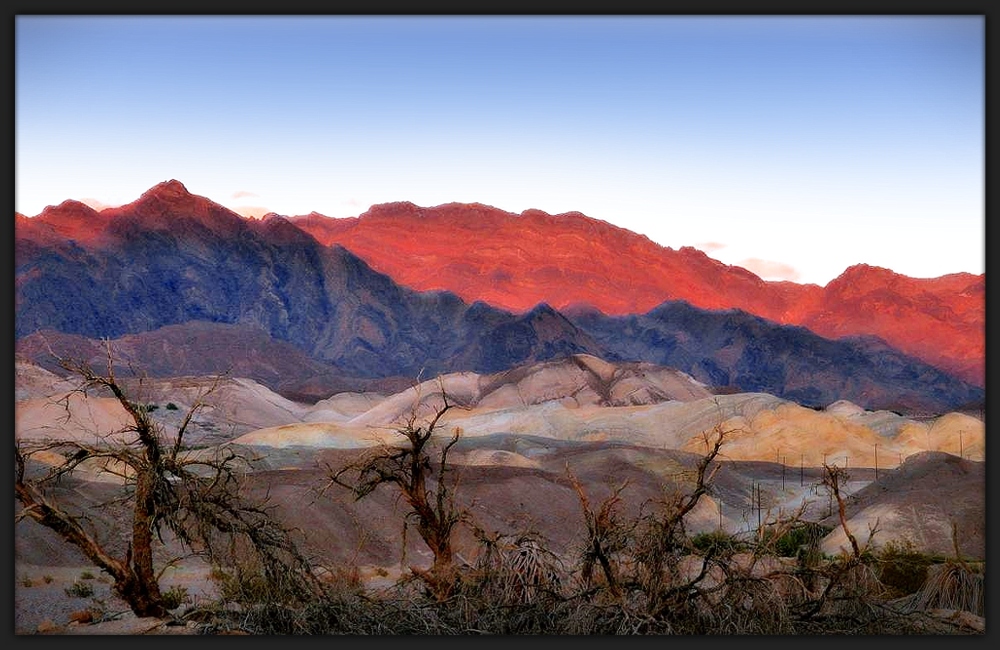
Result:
166,490
408,469
137,587
143,589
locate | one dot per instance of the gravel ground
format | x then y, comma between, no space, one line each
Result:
42,604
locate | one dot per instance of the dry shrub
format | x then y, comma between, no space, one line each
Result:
902,568
953,585
853,589
341,578
749,606
514,569
176,596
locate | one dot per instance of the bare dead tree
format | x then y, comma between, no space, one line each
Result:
422,484
850,581
833,480
195,496
665,536
607,536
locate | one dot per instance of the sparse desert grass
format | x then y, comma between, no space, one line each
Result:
175,596
80,590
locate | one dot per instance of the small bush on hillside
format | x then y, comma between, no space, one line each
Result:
902,568
241,586
800,539
719,542
175,597
250,583
80,590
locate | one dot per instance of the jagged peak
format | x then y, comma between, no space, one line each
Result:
170,200
168,189
68,206
865,269
581,308
391,208
172,185
542,309
695,252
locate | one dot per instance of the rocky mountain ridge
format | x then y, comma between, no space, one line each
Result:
172,259
515,261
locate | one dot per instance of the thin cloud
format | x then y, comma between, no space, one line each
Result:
710,246
769,270
251,211
98,205
243,194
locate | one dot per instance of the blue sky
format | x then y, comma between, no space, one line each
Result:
793,146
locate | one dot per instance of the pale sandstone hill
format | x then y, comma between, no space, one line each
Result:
233,407
33,381
954,433
70,416
791,434
919,502
342,407
578,380
758,427
666,425
317,435
577,398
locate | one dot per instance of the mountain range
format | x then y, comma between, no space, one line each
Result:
401,292
515,261
555,359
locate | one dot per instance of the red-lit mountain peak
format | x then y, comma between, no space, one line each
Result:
518,260
74,220
169,205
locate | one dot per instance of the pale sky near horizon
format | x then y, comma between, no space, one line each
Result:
792,146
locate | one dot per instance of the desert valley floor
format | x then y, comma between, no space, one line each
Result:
522,432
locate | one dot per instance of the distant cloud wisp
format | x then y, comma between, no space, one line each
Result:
98,205
710,246
251,211
769,270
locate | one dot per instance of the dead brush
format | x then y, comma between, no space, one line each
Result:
341,579
953,585
855,591
607,540
851,586
750,593
747,606
516,569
